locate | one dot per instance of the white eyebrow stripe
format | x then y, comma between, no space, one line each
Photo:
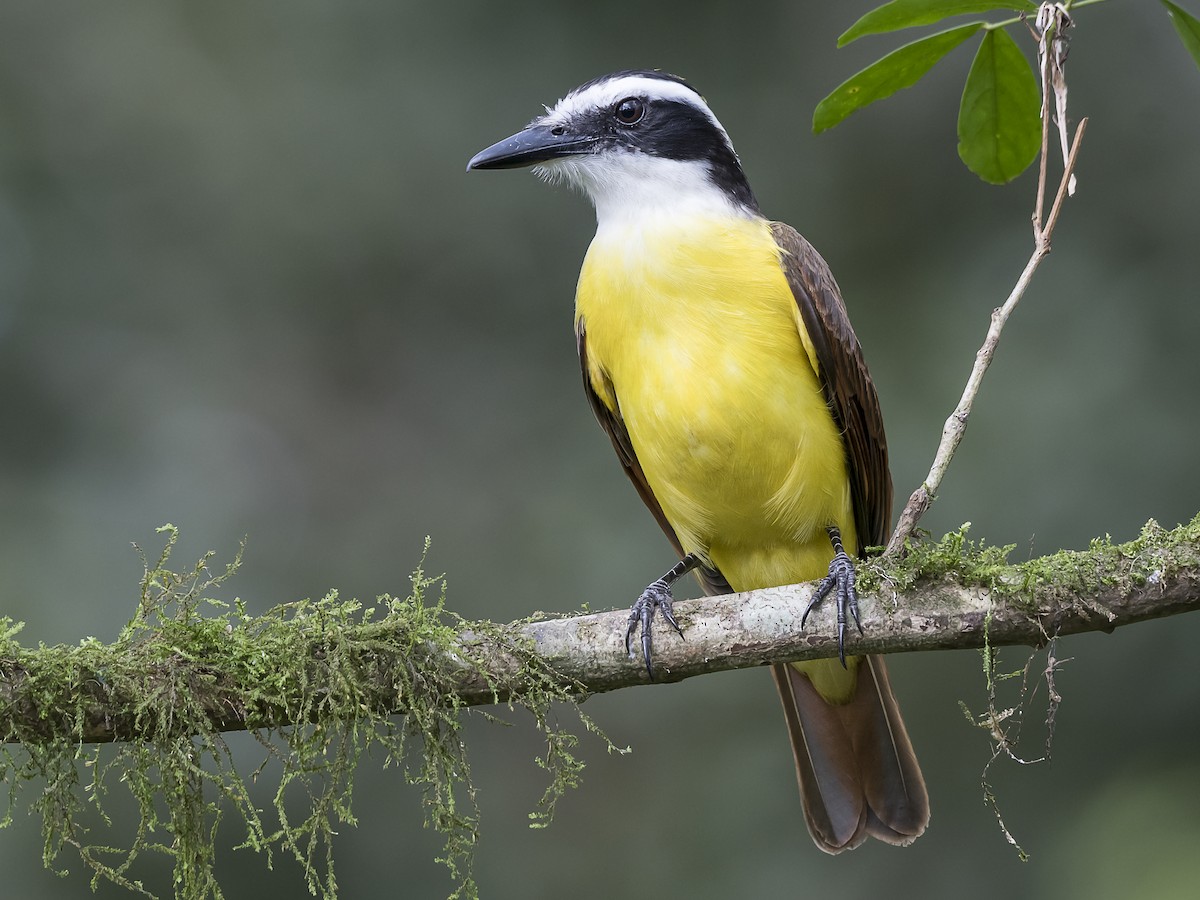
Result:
606,93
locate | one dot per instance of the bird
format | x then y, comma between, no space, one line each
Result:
717,353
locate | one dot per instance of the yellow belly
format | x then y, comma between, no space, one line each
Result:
695,328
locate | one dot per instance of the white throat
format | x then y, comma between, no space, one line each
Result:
626,186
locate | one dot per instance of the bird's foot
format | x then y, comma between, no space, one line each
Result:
657,596
841,576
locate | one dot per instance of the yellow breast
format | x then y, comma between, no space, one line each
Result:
696,330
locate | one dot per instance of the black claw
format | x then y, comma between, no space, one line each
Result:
634,618
668,613
657,596
841,575
822,591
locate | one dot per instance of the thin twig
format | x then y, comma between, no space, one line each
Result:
1041,187
1064,185
956,424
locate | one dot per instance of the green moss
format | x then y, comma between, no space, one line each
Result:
317,682
1069,576
955,558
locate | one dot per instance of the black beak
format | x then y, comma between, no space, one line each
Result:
537,143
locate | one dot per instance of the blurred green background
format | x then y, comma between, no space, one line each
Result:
247,287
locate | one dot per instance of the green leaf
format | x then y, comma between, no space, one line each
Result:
999,122
1188,28
899,69
907,13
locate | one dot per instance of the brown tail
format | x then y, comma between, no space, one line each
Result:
858,774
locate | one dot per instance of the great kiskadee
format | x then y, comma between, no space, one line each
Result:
717,354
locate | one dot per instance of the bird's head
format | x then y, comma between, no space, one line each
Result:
634,141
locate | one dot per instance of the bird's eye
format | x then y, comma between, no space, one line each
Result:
629,111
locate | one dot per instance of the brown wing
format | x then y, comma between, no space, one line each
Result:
845,380
858,773
610,420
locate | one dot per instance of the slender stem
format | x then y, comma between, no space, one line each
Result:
1016,20
1044,54
956,424
1065,183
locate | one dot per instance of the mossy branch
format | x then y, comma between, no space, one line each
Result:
937,597
942,596
189,668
